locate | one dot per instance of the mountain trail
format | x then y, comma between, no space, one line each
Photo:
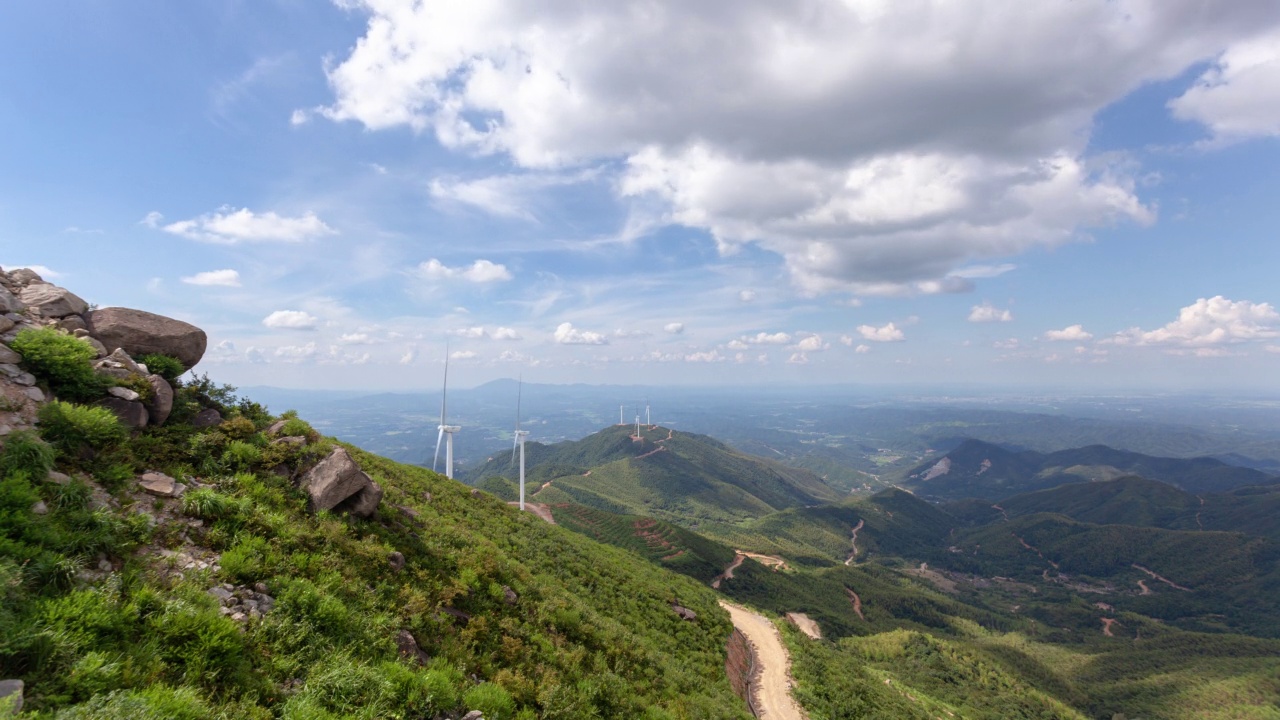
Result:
1002,512
771,687
772,561
660,448
540,509
1035,550
1143,585
1162,579
857,603
1106,626
854,553
728,571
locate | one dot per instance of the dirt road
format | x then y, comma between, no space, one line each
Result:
539,509
854,553
771,689
728,572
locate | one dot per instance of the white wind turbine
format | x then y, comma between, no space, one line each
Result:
519,442
445,430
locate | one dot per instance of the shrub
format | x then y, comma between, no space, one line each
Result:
157,702
207,504
241,455
238,428
166,367
140,385
297,427
492,700
63,361
25,451
70,427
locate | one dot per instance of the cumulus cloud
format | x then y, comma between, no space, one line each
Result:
1208,322
674,328
355,339
463,355
1072,333
706,357
221,278
862,349
812,343
504,333
291,320
470,332
567,334
229,226
987,313
746,296
511,196
886,333
1239,95
480,271
296,353
761,338
846,340
868,145
410,354
798,359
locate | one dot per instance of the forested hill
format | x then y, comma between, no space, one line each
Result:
682,477
982,470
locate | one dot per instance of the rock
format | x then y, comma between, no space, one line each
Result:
161,402
5,323
97,346
338,482
53,301
57,478
396,561
23,277
71,323
8,356
274,428
475,493
10,370
35,394
239,616
260,588
118,365
408,647
130,412
207,418
140,332
11,696
684,612
123,393
10,303
473,715
224,596
509,596
161,485
25,380
292,440
40,508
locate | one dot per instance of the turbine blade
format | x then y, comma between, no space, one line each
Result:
444,392
439,437
515,442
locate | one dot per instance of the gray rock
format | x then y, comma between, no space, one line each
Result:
97,346
396,561
23,277
509,596
224,596
473,715
123,393
161,402
40,508
260,588
53,301
34,393
11,696
5,323
130,412
140,332
207,418
160,485
118,365
10,370
57,478
293,440
7,355
337,482
408,647
274,428
71,323
684,612
26,380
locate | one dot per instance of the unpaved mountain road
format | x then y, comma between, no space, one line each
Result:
728,572
771,689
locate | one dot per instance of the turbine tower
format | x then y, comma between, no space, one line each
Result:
446,430
620,420
646,414
519,442
638,435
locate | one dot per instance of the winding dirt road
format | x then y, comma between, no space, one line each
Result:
771,688
728,572
854,553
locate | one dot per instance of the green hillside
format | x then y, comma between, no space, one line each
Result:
108,608
680,477
976,469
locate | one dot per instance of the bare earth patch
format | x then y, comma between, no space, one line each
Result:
771,687
806,624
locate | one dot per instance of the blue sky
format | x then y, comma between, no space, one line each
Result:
1067,194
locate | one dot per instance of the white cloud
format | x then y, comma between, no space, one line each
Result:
876,147
296,353
503,195
355,339
229,226
737,345
746,296
410,354
505,333
846,340
987,313
470,332
1072,333
299,117
566,334
707,357
291,320
480,271
623,333
812,343
1239,95
463,355
798,359
886,333
862,349
674,328
1212,321
220,278
226,346
152,219
255,356
1010,344
761,338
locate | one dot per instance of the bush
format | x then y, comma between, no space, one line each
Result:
157,702
240,455
166,367
492,700
71,427
208,504
297,427
25,451
63,361
238,428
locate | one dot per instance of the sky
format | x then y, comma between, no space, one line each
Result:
1070,194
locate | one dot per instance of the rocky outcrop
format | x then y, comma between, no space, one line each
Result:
130,412
140,332
161,402
51,301
338,483
161,485
9,302
206,418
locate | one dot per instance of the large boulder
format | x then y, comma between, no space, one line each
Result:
140,332
130,412
337,482
161,402
10,303
53,301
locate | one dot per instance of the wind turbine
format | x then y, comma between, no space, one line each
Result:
444,428
519,442
646,414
